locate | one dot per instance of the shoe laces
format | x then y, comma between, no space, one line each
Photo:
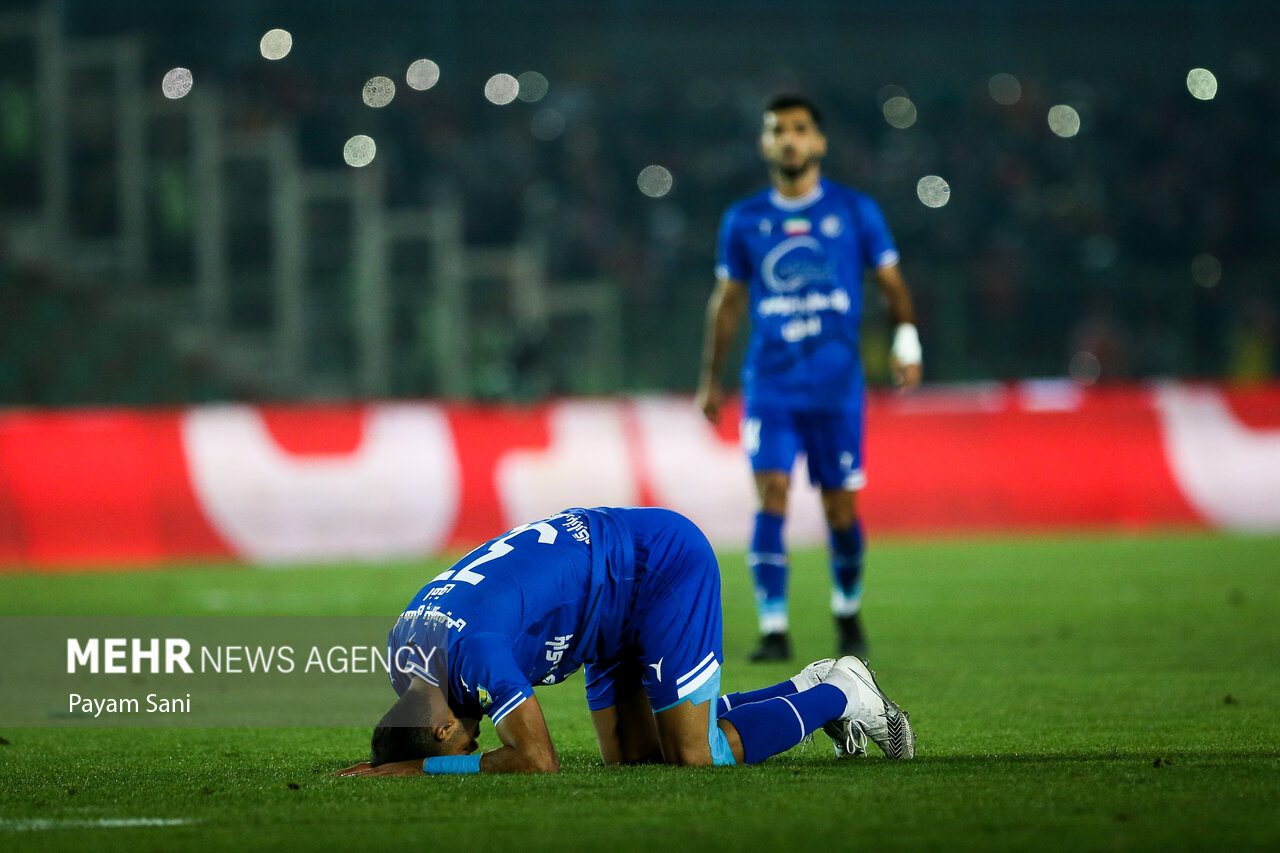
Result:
855,738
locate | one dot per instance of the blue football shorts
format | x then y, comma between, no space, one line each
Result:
673,639
832,443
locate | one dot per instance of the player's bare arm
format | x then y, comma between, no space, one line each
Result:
526,743
906,357
725,308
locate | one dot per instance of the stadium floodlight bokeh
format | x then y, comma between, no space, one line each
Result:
899,112
359,150
422,74
1202,84
533,87
276,44
1005,89
1064,120
933,191
177,83
501,89
655,181
378,91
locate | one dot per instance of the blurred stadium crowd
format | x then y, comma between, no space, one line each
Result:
1142,247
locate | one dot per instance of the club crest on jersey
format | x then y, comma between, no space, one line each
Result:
797,262
796,225
831,226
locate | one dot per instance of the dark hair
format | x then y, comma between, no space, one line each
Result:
400,743
790,102
405,731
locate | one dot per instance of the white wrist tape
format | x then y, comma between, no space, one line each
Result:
906,345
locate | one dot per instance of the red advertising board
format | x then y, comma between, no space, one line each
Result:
371,481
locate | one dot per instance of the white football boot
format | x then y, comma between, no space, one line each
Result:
869,714
813,674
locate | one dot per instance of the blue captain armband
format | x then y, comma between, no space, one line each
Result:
451,765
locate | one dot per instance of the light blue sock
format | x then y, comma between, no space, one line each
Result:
775,725
768,559
847,547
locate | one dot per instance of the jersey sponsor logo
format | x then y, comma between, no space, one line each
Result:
556,649
811,303
433,615
796,225
795,263
555,654
800,328
575,526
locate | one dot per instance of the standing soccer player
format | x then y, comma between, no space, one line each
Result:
797,253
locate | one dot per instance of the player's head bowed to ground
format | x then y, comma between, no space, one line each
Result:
631,594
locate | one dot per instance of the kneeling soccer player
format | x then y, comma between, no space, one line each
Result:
634,594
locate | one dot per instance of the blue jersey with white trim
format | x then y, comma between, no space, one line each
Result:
803,261
527,607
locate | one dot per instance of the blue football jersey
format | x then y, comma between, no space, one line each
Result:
528,607
803,261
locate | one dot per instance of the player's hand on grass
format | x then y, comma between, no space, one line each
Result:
394,768
353,770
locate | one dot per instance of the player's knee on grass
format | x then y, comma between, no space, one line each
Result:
690,735
626,731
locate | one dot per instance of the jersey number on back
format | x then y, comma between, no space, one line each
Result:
498,548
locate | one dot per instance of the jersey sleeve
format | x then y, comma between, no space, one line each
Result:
878,249
484,675
731,253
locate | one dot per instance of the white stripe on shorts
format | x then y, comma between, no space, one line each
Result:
700,680
691,673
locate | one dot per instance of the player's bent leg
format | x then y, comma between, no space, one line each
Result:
620,711
768,728
691,734
685,734
626,730
811,676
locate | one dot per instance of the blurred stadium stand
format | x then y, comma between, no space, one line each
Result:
217,247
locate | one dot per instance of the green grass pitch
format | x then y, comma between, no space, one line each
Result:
1088,693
